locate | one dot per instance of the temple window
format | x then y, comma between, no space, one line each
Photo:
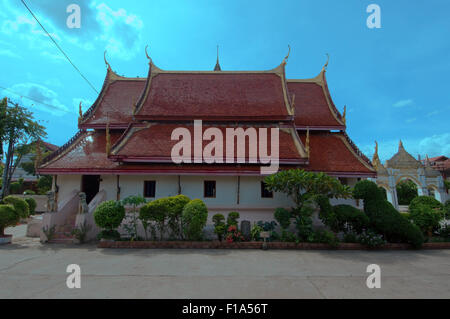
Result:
209,189
265,193
149,188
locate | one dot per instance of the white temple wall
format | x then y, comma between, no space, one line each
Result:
66,185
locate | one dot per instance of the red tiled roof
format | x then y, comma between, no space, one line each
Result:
154,143
331,153
115,103
311,106
50,147
218,95
86,155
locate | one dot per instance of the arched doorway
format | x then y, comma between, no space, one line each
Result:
407,190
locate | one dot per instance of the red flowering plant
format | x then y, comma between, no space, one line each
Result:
233,234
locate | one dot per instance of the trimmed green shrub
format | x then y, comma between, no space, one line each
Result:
8,217
31,204
325,237
232,218
219,226
157,212
109,215
176,206
283,217
194,217
384,218
349,218
20,205
447,209
425,200
426,218
29,192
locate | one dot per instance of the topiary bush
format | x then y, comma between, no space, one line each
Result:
447,209
283,217
29,192
425,200
232,218
109,215
349,218
20,205
426,218
156,212
384,218
31,205
176,206
219,225
194,217
8,217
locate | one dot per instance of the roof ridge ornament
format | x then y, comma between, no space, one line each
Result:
217,67
148,57
106,62
344,114
287,56
325,66
80,113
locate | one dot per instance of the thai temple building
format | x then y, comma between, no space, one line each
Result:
125,140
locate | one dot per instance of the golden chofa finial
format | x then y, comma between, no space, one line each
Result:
307,141
146,54
80,114
287,56
344,114
108,139
326,63
106,62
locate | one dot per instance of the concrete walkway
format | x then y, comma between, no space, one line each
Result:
31,270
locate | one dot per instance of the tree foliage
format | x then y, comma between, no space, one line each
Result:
17,129
406,191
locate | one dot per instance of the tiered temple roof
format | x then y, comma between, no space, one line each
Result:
128,128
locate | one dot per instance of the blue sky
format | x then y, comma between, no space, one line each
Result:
394,80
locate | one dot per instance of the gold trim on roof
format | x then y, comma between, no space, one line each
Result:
124,139
321,81
350,148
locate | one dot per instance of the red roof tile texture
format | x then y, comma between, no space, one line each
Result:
213,95
116,105
311,107
155,142
87,156
329,153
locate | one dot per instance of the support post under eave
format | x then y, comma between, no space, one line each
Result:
118,187
238,189
56,192
179,185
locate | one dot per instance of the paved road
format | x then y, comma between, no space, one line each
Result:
31,270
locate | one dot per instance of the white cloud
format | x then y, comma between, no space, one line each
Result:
10,54
119,31
435,145
403,103
43,98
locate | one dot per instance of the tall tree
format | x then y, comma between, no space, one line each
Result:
17,128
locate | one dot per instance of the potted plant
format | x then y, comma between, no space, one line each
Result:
8,217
